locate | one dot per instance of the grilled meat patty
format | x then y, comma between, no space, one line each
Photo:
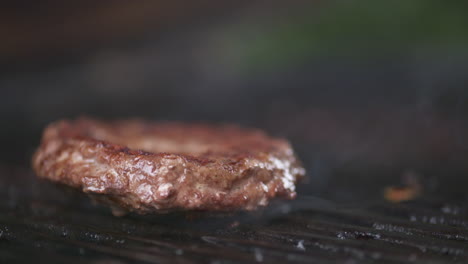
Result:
146,167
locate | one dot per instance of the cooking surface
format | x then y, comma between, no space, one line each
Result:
341,214
39,220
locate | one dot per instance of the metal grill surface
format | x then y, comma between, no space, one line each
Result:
40,221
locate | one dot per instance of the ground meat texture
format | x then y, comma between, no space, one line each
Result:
147,167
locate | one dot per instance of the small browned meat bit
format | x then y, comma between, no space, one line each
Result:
146,167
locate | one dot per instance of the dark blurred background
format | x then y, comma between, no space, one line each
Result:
365,90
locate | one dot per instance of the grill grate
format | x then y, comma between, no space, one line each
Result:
40,221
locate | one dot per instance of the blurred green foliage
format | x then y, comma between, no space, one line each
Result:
357,28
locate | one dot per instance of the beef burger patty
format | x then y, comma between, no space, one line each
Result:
146,167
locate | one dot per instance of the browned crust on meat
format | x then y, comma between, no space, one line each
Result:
157,167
